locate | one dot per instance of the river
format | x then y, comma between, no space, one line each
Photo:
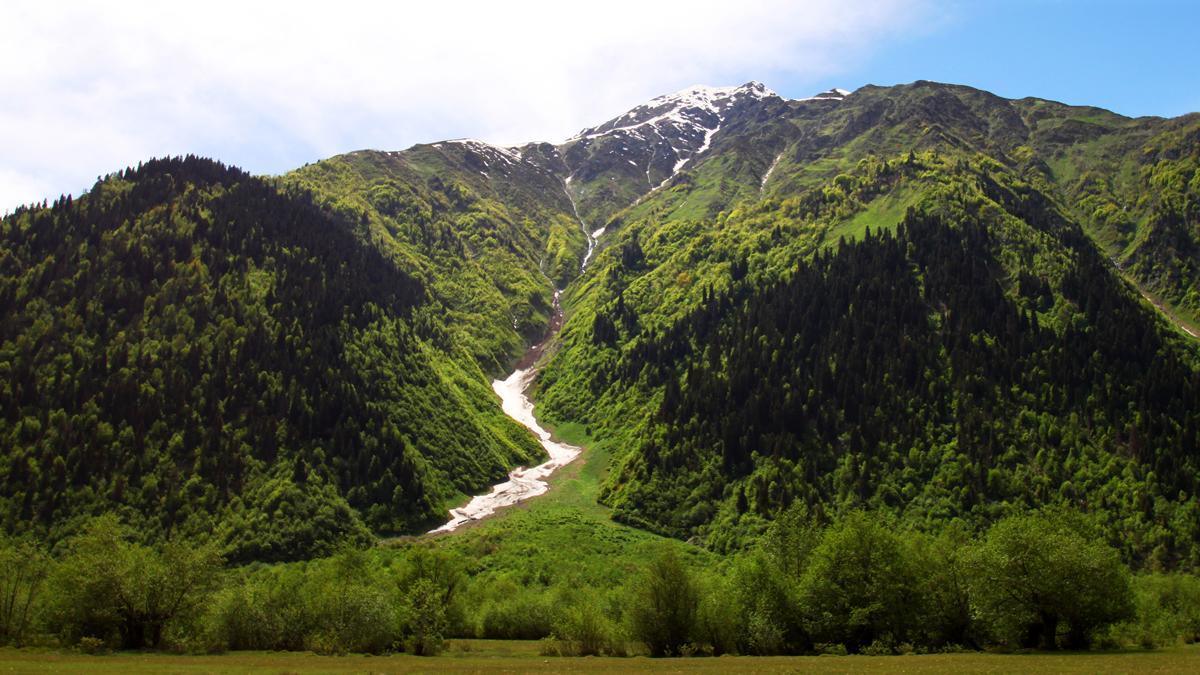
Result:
522,483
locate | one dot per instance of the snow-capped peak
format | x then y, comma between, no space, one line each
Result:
698,105
703,96
676,127
510,155
756,88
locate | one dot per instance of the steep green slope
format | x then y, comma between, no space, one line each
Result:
201,350
489,233
1137,192
1029,375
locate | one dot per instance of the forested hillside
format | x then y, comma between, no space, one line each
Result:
896,374
201,351
984,357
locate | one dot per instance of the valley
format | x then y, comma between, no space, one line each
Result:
836,363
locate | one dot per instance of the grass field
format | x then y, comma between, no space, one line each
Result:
882,213
481,656
564,534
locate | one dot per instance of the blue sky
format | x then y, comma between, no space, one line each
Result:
92,86
1135,58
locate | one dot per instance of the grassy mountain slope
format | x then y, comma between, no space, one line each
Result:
489,234
1137,192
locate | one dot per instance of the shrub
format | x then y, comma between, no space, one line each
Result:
24,566
429,586
945,610
1167,612
766,587
518,613
663,615
860,587
127,594
586,629
264,611
352,610
717,620
426,625
1046,578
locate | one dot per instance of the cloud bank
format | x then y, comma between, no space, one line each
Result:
91,87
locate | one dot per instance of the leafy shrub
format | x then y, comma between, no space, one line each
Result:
430,584
350,606
1167,612
263,611
518,613
860,587
427,626
663,615
587,630
127,594
1046,579
24,566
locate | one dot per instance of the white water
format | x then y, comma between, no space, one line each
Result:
770,170
522,483
593,236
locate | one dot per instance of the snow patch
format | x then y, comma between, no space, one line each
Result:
834,94
522,483
508,155
770,170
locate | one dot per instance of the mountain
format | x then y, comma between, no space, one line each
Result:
925,299
975,351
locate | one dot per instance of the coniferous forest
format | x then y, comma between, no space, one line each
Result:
206,353
895,374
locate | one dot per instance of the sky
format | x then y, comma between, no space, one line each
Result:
92,87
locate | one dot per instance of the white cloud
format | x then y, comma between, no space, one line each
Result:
92,87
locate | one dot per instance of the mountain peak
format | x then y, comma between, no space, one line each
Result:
758,88
698,105
702,95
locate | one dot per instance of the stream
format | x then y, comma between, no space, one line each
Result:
522,483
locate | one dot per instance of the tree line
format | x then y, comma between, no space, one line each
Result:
858,584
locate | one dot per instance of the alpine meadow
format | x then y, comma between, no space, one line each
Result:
903,370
